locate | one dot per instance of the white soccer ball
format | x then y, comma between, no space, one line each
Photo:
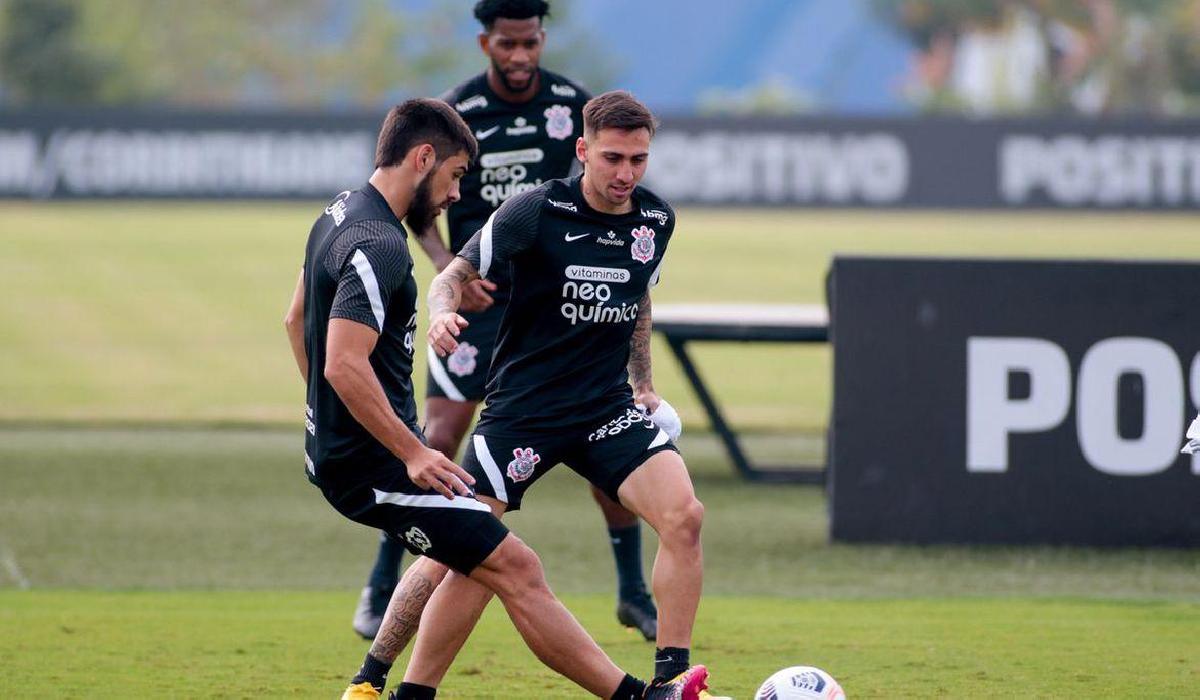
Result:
800,683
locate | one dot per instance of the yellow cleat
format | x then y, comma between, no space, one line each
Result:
361,691
705,695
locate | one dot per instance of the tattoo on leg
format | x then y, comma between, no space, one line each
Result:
402,616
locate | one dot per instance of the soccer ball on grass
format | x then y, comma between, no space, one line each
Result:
800,683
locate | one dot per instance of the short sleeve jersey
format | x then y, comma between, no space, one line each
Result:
521,145
357,266
578,279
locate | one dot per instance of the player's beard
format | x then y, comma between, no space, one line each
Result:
509,85
423,210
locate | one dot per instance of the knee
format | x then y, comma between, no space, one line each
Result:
520,571
682,524
442,437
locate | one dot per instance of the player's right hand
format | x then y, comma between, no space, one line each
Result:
431,470
476,295
443,332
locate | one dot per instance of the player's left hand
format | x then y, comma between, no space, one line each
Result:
661,414
443,332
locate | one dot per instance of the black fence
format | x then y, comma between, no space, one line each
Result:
821,162
1014,401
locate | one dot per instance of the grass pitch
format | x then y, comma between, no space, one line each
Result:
199,563
298,645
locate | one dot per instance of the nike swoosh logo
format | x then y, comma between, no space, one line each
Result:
484,133
568,238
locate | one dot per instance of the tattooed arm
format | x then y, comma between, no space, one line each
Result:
639,358
445,295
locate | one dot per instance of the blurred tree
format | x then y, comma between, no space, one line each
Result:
42,60
1101,56
287,53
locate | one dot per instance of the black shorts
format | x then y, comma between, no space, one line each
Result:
459,533
461,375
506,462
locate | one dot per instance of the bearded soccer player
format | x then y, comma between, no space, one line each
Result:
526,120
354,346
583,254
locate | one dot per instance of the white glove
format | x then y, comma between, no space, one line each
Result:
1193,435
665,418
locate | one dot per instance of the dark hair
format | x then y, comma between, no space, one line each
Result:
488,11
423,120
617,109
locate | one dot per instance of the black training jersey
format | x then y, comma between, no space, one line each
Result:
578,277
521,145
357,266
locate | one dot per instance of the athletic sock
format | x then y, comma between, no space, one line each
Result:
670,662
373,671
630,689
415,691
386,571
627,551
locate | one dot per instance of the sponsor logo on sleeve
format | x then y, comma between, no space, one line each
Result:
657,214
558,122
643,244
569,206
472,102
525,460
337,209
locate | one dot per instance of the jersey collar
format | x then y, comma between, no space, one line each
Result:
376,197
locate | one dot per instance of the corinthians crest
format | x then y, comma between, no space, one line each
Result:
462,361
643,244
521,468
558,122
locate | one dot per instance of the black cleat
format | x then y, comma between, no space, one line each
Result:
639,613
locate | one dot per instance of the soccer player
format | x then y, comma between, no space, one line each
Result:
583,254
357,298
526,119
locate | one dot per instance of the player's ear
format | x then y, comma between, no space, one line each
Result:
581,149
484,46
425,158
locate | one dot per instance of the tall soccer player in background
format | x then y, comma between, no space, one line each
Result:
526,120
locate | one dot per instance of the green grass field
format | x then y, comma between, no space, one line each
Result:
153,504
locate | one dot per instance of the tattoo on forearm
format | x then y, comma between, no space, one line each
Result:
639,347
445,292
402,616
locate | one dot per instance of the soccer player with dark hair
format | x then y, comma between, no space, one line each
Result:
352,328
582,254
526,119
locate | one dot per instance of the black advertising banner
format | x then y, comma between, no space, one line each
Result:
1014,402
184,155
804,161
